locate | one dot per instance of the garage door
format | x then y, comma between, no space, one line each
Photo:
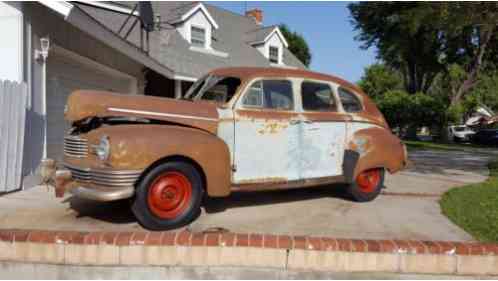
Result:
64,75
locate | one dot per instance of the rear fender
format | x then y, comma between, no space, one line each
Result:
373,147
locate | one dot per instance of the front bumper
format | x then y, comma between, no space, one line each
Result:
98,185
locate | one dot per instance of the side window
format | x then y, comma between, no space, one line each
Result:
274,94
317,97
350,101
254,96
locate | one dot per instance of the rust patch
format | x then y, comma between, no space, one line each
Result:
378,148
272,128
84,103
151,143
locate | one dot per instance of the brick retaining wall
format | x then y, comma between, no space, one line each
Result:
185,248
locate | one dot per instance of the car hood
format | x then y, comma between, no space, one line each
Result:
86,103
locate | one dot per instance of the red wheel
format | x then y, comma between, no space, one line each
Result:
169,195
367,185
369,180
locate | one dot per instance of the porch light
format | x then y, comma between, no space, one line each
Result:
45,46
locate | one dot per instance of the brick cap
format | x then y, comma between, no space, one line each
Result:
227,239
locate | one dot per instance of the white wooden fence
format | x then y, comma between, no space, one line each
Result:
13,97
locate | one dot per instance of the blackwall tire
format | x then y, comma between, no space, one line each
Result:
168,196
367,185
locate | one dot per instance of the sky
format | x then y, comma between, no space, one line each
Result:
324,25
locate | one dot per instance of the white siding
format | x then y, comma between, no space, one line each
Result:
12,117
198,19
274,41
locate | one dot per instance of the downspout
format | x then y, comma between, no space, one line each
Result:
41,56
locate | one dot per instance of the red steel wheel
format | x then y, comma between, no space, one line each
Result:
369,180
169,195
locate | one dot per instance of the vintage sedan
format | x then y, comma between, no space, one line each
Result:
236,129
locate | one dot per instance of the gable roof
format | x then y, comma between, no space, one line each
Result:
263,34
168,47
186,11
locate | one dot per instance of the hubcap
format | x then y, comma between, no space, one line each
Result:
169,195
368,180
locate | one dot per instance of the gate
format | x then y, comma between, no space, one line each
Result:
13,97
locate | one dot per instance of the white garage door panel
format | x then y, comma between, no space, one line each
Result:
63,77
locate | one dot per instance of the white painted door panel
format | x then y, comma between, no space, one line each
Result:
322,148
265,150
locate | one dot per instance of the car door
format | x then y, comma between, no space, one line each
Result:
323,131
266,146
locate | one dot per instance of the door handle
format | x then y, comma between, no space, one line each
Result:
294,121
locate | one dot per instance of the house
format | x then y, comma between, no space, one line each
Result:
55,47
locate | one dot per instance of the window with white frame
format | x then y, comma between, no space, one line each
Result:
198,36
273,54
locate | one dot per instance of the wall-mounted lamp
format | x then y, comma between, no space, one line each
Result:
45,46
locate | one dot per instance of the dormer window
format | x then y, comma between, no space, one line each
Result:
273,55
198,36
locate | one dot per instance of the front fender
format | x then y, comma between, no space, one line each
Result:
373,148
137,147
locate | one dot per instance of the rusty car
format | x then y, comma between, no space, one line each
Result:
236,129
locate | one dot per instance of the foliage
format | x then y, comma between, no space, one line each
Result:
297,45
404,38
378,79
474,207
422,40
402,110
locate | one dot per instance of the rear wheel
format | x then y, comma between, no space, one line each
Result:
169,196
367,185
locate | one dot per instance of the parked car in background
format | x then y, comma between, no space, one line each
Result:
460,133
236,129
486,136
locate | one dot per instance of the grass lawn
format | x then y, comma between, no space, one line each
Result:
441,146
474,207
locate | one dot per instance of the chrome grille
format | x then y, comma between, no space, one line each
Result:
75,146
103,177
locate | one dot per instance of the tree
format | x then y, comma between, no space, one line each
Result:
404,39
423,39
297,45
379,79
469,35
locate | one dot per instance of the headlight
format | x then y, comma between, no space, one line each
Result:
103,149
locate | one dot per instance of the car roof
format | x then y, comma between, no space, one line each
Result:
253,72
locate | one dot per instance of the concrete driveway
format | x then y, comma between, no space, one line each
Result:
407,209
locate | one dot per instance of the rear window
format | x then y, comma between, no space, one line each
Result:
350,102
317,97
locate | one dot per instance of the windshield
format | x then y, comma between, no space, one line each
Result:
459,129
217,89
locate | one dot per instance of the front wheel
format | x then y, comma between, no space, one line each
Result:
367,185
168,196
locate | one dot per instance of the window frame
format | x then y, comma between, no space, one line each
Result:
240,101
332,95
352,92
270,47
192,38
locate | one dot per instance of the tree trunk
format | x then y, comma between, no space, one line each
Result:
473,73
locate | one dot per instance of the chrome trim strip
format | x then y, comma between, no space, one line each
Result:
161,114
104,178
103,196
105,172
